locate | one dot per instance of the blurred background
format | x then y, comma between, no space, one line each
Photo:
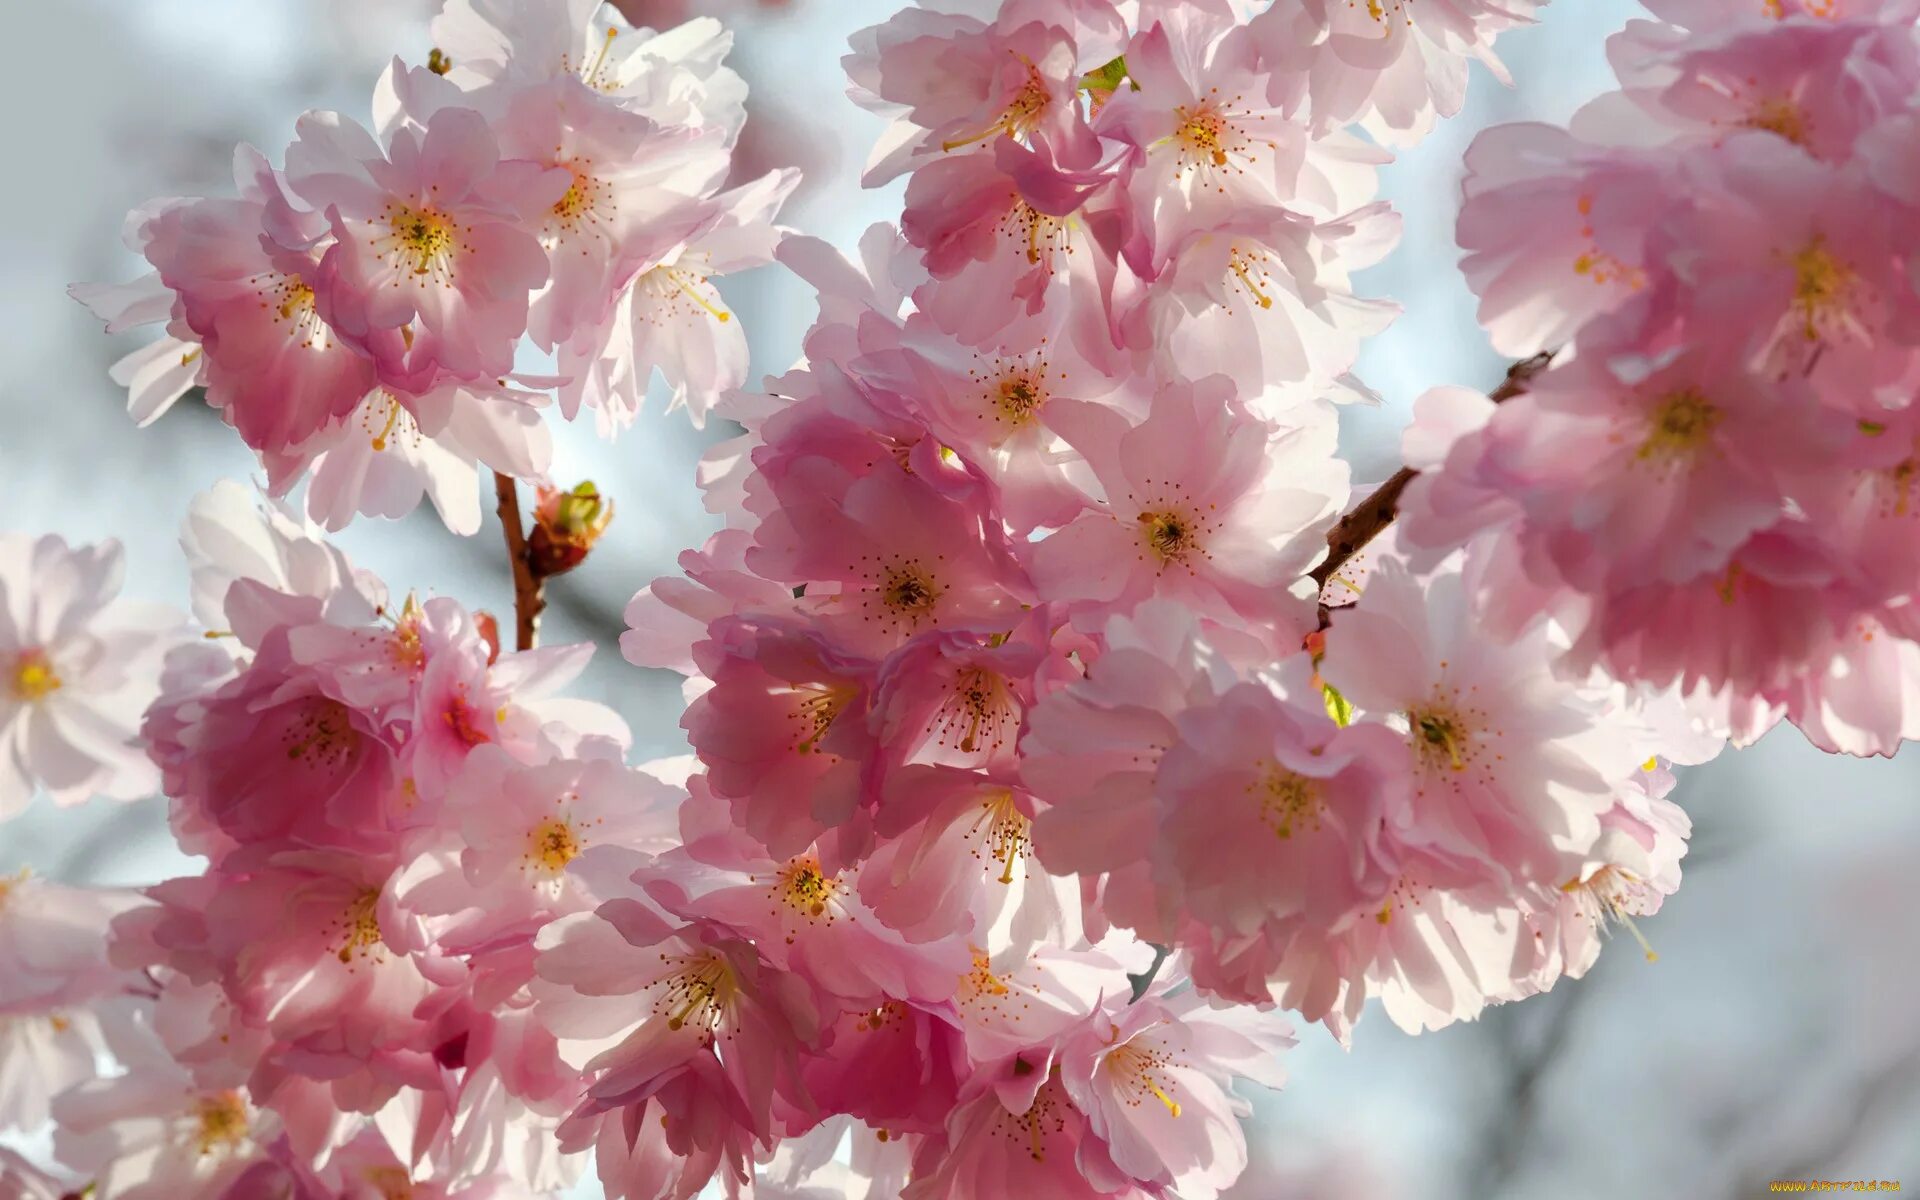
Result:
1776,1038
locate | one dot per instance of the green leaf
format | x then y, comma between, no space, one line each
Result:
1338,707
1107,78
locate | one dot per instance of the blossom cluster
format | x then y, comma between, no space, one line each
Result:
1010,639
551,181
1711,487
1054,743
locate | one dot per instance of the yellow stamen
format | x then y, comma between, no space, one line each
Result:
222,1120
805,888
34,677
679,281
361,925
1437,731
1006,831
552,844
1821,285
1260,297
600,60
393,416
1682,422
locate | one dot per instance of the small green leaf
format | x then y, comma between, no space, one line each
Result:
1338,707
1107,78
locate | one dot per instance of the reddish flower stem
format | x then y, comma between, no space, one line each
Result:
1351,533
529,589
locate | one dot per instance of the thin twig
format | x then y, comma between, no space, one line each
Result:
529,590
1351,533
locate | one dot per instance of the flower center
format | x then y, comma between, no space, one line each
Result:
1287,801
819,704
980,983
1042,236
1047,1115
1003,832
552,844
1822,286
587,201
1019,397
1012,392
906,593
979,708
464,720
1204,134
290,298
1440,737
392,1183
1682,422
679,287
1171,535
360,926
384,409
1249,270
33,676
406,649
594,70
9,883
890,1013
221,1119
1613,895
1140,1072
1597,264
700,992
1899,480
421,241
323,735
805,889
1778,116
1381,10
1020,117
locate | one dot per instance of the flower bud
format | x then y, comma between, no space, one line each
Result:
565,527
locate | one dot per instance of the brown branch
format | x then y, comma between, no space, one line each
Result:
1351,533
529,589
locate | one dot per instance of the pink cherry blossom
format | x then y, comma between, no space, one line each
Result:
60,994
673,77
715,1039
807,918
1393,67
1153,1078
1304,832
951,81
670,316
1556,231
783,732
1263,294
395,447
245,275
1201,503
1509,762
152,1134
1091,750
430,240
1204,140
901,556
630,196
78,665
1017,1131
